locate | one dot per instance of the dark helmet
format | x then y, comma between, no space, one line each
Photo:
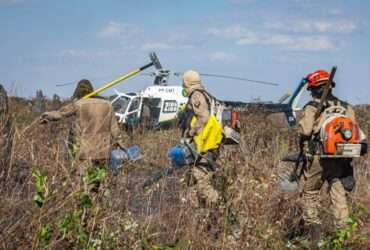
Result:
83,88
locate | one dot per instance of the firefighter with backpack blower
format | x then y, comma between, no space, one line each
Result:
330,138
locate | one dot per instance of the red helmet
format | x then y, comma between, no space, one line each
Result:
317,79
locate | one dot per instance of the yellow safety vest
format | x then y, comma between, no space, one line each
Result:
210,136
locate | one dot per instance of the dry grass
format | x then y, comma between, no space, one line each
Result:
124,216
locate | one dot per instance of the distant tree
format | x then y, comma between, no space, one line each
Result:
56,102
39,102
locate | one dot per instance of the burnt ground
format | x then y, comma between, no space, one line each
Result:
255,214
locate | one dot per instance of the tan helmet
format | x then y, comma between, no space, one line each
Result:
190,79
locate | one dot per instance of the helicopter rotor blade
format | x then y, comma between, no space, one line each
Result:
64,84
151,74
154,58
240,79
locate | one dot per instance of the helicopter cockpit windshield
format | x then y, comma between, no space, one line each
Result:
120,104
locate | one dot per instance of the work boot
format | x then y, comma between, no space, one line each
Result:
213,223
314,232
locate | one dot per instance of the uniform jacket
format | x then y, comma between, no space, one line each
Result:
95,128
201,107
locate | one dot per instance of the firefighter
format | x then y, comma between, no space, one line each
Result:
338,172
200,105
95,129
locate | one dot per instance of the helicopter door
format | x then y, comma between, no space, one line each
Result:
120,104
155,110
132,117
150,110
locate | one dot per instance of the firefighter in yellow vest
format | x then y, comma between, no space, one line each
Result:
338,172
206,133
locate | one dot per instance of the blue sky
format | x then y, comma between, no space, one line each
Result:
43,43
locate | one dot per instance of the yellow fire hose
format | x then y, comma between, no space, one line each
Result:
154,62
119,79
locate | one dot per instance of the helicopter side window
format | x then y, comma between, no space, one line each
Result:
120,105
134,105
170,106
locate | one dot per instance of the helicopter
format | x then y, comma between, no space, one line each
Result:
158,105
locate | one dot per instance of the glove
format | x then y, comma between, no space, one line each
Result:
185,141
119,145
191,133
44,118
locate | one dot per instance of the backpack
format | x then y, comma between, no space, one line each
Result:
226,117
339,135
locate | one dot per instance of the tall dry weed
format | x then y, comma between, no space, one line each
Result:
122,215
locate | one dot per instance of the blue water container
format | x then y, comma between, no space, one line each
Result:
120,156
180,155
133,153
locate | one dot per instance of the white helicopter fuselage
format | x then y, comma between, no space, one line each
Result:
158,103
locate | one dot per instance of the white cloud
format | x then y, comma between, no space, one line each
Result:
68,52
242,36
164,46
11,1
156,45
242,2
249,38
172,41
312,43
311,26
234,31
274,39
116,29
222,56
304,43
346,26
84,54
329,26
279,39
335,12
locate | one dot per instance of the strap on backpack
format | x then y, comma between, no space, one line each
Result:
207,97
